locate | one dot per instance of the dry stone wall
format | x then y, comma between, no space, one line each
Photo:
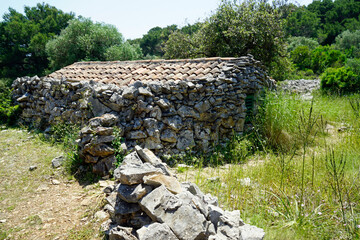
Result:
164,116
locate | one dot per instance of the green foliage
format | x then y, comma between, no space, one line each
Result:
23,39
354,65
235,29
340,80
152,42
295,42
349,43
116,143
324,57
301,57
8,111
302,22
82,40
123,52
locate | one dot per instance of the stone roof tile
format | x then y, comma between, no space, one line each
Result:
126,72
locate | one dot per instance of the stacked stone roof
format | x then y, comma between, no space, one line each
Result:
126,72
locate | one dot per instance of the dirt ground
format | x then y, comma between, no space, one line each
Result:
43,203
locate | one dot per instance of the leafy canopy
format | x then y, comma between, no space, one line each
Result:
84,40
23,39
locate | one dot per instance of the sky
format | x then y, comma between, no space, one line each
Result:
133,18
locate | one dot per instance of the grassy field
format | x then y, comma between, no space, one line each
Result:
300,180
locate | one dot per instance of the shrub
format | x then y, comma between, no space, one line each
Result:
324,57
295,42
301,57
340,80
8,111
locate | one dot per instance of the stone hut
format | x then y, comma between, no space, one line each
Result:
163,105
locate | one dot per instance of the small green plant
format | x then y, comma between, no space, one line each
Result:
34,220
116,143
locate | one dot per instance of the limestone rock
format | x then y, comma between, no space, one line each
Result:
58,161
249,232
132,193
132,158
121,233
99,150
168,136
134,173
156,231
171,183
185,140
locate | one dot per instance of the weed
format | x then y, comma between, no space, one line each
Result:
116,143
34,220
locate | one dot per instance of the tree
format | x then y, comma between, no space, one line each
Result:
152,43
84,40
349,42
236,29
23,39
123,52
302,22
295,42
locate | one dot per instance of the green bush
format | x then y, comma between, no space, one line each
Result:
8,111
324,57
340,80
301,57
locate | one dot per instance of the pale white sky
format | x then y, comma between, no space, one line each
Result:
133,18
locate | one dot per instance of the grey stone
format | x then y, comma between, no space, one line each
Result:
193,189
106,131
249,232
153,143
99,150
168,136
129,92
134,173
121,233
97,107
132,158
174,122
186,222
132,193
136,135
185,111
139,219
185,140
58,161
156,231
145,92
32,168
163,103
202,107
152,201
210,199
102,139
124,208
147,156
151,126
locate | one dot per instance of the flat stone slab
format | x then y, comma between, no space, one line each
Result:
156,231
171,183
134,173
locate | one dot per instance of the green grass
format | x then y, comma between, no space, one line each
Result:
305,189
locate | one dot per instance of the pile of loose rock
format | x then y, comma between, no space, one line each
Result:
301,86
149,203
